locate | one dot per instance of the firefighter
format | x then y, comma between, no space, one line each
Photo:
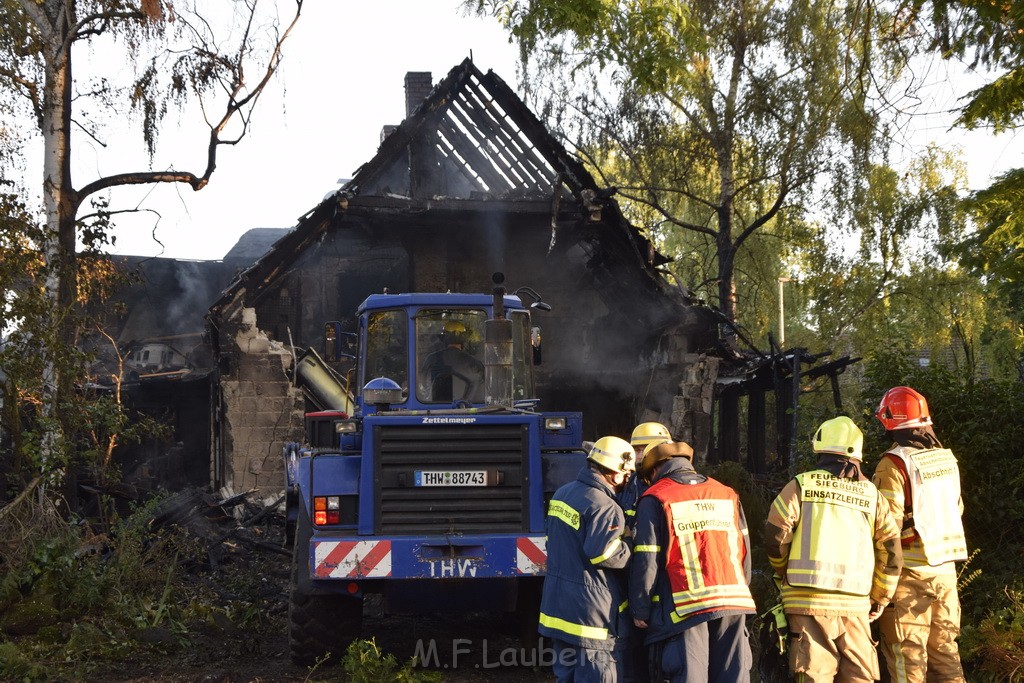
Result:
583,604
689,580
834,547
921,482
643,435
454,373
635,664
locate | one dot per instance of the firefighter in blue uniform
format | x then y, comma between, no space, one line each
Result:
635,668
583,608
644,434
689,581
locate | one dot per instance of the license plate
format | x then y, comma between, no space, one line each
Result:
449,478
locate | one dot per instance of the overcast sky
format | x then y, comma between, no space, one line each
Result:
342,81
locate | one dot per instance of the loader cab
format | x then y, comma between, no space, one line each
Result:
434,347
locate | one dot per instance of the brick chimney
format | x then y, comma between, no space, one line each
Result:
424,179
417,86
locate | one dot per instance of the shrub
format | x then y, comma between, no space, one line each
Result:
365,663
994,649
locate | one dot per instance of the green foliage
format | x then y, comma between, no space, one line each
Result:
993,252
178,55
999,104
16,666
644,37
904,277
111,591
994,648
966,575
95,422
125,573
719,127
985,34
365,663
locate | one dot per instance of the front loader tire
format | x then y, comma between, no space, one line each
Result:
527,618
319,625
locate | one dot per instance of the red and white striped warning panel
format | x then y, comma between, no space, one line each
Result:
531,554
352,559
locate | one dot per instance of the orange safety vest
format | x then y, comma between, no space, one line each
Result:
706,546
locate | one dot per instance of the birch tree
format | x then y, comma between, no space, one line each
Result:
183,55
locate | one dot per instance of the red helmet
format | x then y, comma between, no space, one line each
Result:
903,408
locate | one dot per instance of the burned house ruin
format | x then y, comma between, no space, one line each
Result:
153,350
471,183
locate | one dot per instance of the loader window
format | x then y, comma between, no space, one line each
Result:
450,355
387,347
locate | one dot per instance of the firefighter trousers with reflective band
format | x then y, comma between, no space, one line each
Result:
919,629
575,664
826,649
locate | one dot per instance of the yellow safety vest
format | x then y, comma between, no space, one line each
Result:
933,477
833,547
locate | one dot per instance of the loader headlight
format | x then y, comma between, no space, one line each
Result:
346,426
554,424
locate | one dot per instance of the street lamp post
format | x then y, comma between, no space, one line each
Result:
782,313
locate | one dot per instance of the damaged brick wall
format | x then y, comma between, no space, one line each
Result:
691,407
262,410
680,391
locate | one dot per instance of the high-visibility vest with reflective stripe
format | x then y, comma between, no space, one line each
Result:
705,549
933,477
833,548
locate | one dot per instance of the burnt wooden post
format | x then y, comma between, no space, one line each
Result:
756,436
729,425
837,397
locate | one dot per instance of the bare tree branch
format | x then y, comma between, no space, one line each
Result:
236,107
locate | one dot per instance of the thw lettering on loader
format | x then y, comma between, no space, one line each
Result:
452,568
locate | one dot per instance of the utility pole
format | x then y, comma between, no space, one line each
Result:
782,313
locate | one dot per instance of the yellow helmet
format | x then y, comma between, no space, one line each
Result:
658,452
840,436
614,454
454,331
649,432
